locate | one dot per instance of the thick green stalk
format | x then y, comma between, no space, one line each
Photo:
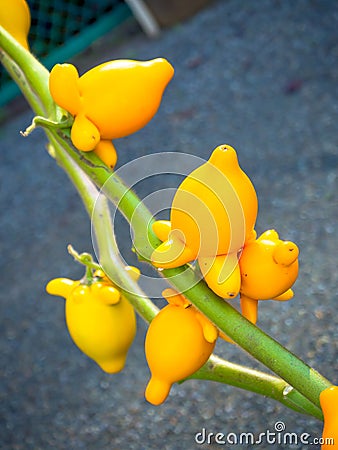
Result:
119,194
21,81
98,210
112,264
217,369
30,75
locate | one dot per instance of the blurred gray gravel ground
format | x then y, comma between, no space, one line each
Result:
261,76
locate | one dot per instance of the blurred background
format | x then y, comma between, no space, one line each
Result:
260,76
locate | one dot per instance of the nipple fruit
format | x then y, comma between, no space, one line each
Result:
110,101
178,342
329,404
16,19
269,267
99,318
212,215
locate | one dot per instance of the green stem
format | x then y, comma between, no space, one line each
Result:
120,195
112,264
219,370
30,75
64,123
84,258
98,210
18,76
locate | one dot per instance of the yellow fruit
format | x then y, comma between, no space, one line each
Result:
15,18
84,134
111,100
64,88
269,267
329,404
178,342
212,215
105,150
100,320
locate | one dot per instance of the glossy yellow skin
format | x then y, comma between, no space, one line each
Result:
110,101
178,342
212,215
269,267
99,318
16,19
329,404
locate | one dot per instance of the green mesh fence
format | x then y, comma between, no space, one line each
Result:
62,28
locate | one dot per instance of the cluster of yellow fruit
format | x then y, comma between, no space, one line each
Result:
102,324
180,339
213,216
212,220
110,101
